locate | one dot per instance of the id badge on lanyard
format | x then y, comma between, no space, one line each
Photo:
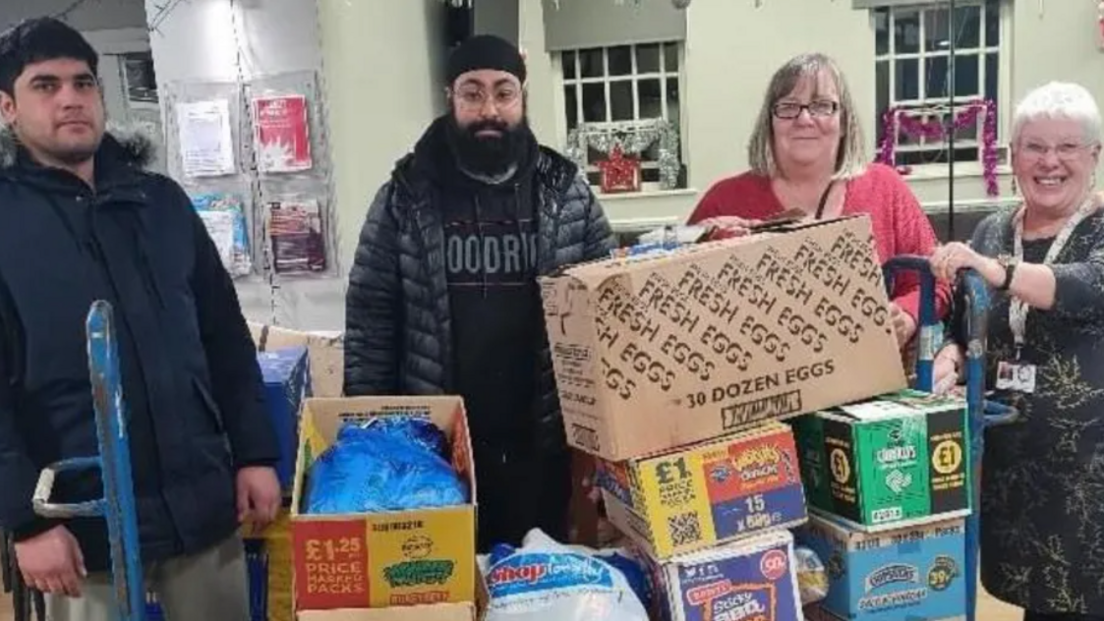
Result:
1016,374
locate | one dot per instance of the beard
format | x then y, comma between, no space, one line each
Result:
489,155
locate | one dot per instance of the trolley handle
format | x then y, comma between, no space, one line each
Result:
929,328
997,414
45,488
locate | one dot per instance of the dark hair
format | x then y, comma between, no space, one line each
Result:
40,39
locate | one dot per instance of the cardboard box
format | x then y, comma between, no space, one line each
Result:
901,459
693,498
753,579
380,560
816,612
655,352
286,374
432,612
273,544
912,573
327,354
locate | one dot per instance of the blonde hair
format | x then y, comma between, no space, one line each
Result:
851,157
1058,100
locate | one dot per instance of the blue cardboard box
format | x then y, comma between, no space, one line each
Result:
898,575
287,383
752,579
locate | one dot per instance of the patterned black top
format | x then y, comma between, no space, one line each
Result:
1042,508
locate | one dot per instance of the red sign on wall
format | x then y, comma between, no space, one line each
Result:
282,134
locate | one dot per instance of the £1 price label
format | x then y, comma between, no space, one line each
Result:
331,564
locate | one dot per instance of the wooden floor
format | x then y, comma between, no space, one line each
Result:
990,610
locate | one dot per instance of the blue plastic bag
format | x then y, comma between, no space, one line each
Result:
391,463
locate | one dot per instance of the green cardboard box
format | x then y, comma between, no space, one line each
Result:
900,459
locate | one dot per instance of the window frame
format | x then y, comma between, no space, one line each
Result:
1004,87
560,104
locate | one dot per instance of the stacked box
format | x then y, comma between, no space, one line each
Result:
676,369
388,559
900,459
909,573
656,352
287,380
693,498
753,579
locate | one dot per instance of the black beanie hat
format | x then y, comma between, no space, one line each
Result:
485,52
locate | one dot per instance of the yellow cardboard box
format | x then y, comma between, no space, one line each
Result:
705,494
381,560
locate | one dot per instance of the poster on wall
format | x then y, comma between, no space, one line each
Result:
224,216
282,133
206,140
296,234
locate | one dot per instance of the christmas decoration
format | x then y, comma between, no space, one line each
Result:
632,138
1100,23
897,122
619,173
678,4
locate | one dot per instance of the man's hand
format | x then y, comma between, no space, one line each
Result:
258,496
52,562
904,326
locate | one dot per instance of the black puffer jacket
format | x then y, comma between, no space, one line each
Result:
398,337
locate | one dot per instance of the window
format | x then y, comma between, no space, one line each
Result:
621,91
139,78
912,50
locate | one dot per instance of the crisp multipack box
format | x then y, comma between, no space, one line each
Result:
387,559
287,383
698,496
899,459
653,352
752,579
910,573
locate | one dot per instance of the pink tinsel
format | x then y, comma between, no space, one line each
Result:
897,121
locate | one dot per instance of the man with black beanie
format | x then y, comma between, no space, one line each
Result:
80,220
443,295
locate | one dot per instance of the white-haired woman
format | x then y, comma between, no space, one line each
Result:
807,156
1043,491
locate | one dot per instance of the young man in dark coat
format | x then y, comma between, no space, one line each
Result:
80,221
443,294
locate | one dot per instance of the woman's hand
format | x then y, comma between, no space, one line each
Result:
904,326
724,227
946,367
949,259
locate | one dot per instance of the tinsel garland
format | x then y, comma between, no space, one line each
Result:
634,137
679,4
897,120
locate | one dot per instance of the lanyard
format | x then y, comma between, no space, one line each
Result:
1017,310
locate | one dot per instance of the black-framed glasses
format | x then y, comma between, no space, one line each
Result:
791,110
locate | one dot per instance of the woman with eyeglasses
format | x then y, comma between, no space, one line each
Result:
807,158
1042,494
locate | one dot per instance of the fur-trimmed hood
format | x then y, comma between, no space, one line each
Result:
132,144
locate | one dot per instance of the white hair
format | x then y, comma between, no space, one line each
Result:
1059,100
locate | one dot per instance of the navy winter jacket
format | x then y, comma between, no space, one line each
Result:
190,376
